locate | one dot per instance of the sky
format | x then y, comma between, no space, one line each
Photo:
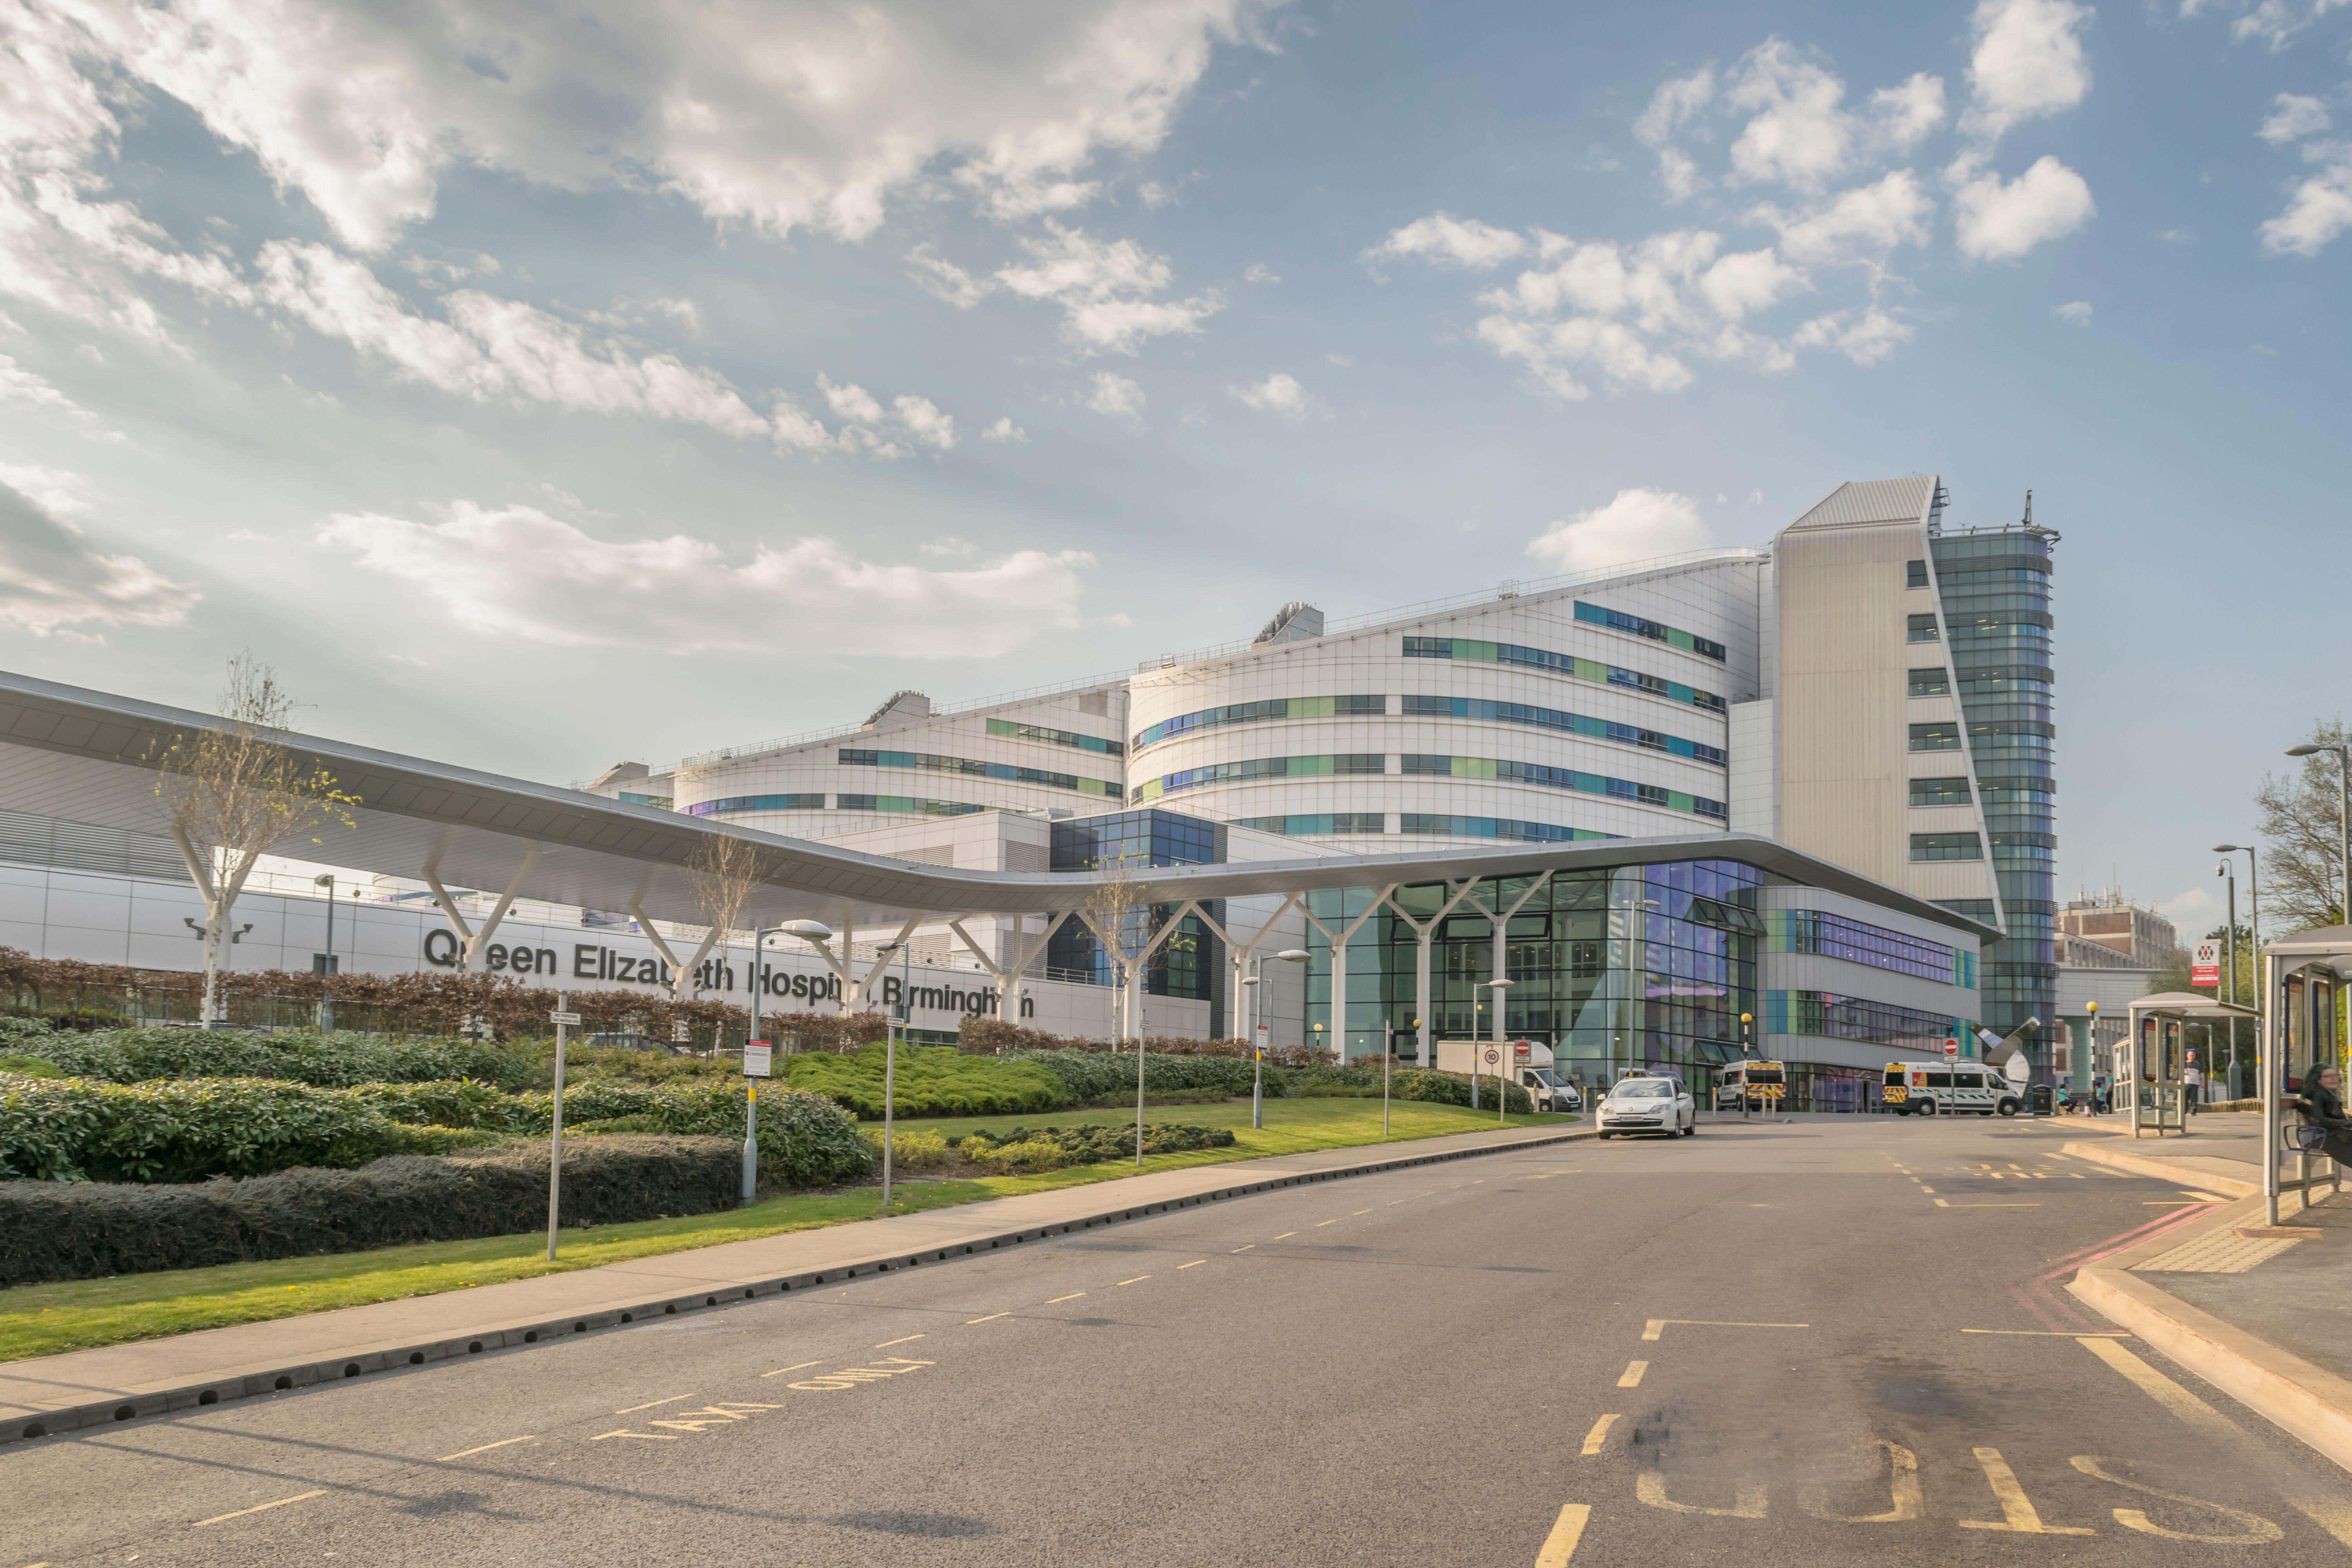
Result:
537,388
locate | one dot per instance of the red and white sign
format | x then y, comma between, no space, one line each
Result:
2205,963
1519,1051
1493,1056
1951,1046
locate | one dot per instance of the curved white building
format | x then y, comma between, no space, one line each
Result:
1595,708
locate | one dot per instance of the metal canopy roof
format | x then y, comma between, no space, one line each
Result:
90,757
2191,1004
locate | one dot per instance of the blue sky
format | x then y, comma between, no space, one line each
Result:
537,392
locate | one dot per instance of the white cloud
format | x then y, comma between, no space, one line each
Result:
19,384
1677,103
850,402
1452,242
52,582
1548,350
1859,225
1903,116
1104,289
1999,222
1798,134
1678,175
2074,312
1004,430
1750,281
1277,393
363,108
2275,22
923,420
64,495
1636,525
2028,62
953,546
945,279
2293,116
518,572
1865,335
1259,272
1116,395
2321,207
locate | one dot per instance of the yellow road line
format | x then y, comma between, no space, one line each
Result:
1657,1326
1194,1264
2330,1512
1071,1297
1252,1247
1286,1235
782,1370
2017,1511
483,1449
1929,1190
673,1399
1360,1213
260,1508
2203,1198
910,1339
1633,1370
2052,1333
1566,1531
1947,1204
967,1322
1599,1434
1137,1280
1319,1224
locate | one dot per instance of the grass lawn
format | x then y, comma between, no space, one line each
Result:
43,1320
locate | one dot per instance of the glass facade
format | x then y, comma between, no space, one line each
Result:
1560,720
1857,942
1618,620
1872,1023
1359,706
856,757
1562,664
1613,968
1995,590
1186,965
733,803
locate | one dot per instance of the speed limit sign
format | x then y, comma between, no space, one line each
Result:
1493,1056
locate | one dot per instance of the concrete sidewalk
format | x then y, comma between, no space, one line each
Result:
116,1383
2226,1295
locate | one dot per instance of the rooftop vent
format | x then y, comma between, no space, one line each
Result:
898,707
1295,622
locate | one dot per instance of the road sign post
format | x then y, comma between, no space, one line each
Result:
2205,963
563,1020
1951,1045
758,1054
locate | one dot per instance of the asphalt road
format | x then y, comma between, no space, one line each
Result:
1828,1340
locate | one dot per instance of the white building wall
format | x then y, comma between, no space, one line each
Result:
1755,774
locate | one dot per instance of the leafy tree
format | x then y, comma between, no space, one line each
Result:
2301,824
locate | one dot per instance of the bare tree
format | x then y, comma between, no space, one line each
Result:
234,791
2301,824
1116,908
723,869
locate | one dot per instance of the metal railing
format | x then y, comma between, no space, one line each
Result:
940,711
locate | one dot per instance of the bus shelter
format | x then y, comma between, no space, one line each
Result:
2303,976
2152,1064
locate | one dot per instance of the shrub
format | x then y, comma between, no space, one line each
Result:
29,1067
996,1036
1050,1148
16,1029
930,1080
913,1150
1097,1075
51,1230
1445,1088
324,1061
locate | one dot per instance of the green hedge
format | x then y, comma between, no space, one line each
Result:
185,1130
55,1230
1106,1075
930,1080
324,1061
1445,1088
1049,1148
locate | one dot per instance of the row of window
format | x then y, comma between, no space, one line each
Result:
856,758
1376,706
2025,734
1856,1018
1618,620
726,804
1013,732
1947,846
1857,942
1503,770
1429,823
1316,824
1561,664
1509,772
1951,791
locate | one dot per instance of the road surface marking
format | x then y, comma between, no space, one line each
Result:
885,1344
967,1322
1947,1204
1927,1189
1194,1264
1633,1370
1748,1498
715,1414
1600,1434
1071,1297
1251,1246
2016,1507
1566,1531
1657,1326
2168,1203
673,1399
1903,1496
855,1376
1360,1213
483,1449
2203,1198
1137,1280
260,1508
644,1437
1286,1235
1319,1224
2053,1334
2257,1529
2329,1512
782,1370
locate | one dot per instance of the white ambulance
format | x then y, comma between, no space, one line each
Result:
1949,1088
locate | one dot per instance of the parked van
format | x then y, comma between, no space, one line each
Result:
1949,1088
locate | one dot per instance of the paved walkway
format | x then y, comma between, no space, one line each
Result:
118,1382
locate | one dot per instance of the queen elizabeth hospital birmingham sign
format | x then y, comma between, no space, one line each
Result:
594,960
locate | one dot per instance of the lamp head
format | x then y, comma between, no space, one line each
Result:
1748,1017
2093,1008
325,881
807,930
1501,983
1293,955
2227,849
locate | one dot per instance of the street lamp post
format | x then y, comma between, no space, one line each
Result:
1253,979
326,997
2343,812
1746,1055
2254,932
1501,986
2229,868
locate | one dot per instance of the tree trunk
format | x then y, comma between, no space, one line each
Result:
215,926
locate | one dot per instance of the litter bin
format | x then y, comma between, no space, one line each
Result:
2040,1097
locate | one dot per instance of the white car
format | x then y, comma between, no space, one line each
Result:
1648,1105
